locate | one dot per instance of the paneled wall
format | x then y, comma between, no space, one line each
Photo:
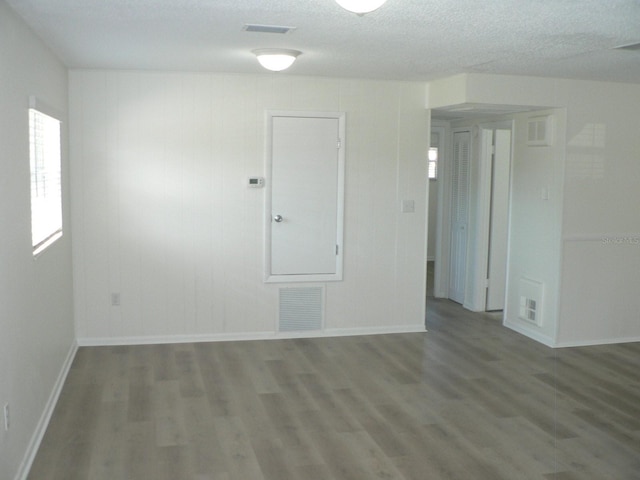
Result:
36,307
601,234
163,219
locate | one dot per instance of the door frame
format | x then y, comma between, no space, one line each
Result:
341,117
477,248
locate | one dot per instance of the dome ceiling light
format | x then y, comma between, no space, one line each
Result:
361,6
276,59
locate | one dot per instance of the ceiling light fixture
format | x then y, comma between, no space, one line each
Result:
276,59
361,6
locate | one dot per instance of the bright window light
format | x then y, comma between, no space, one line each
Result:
433,163
46,185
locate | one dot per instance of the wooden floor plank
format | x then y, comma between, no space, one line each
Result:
468,399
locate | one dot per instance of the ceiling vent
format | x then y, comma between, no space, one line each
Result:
631,46
250,27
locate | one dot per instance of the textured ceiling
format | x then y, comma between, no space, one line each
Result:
404,39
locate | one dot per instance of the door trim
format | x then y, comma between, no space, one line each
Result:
268,276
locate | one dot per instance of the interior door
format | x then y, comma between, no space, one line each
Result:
306,198
498,233
459,214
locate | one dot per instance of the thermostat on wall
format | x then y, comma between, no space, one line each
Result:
256,182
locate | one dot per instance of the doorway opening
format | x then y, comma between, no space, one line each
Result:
468,224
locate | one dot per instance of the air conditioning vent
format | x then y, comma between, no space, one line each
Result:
531,301
249,27
301,309
528,309
539,131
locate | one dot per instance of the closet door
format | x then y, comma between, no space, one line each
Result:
306,198
499,227
459,214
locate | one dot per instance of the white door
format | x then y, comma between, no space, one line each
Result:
459,214
306,198
498,233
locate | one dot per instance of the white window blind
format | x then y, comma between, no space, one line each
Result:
46,188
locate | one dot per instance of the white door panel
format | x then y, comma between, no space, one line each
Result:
498,236
306,196
459,214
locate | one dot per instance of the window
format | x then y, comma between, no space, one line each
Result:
433,163
46,188
432,155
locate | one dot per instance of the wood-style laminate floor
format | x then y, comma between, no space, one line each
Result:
468,400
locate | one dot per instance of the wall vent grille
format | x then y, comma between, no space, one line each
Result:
531,293
250,27
539,131
528,309
301,309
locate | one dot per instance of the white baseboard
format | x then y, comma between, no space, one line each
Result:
164,339
599,341
43,423
347,332
228,337
549,342
532,334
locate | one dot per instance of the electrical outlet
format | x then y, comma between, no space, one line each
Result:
6,416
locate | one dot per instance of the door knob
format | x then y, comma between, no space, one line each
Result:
278,218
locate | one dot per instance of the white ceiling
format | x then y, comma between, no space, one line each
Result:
404,39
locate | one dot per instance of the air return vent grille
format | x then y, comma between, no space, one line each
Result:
528,309
301,309
539,131
531,301
267,28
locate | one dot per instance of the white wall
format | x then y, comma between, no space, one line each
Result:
535,226
601,230
36,310
162,214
